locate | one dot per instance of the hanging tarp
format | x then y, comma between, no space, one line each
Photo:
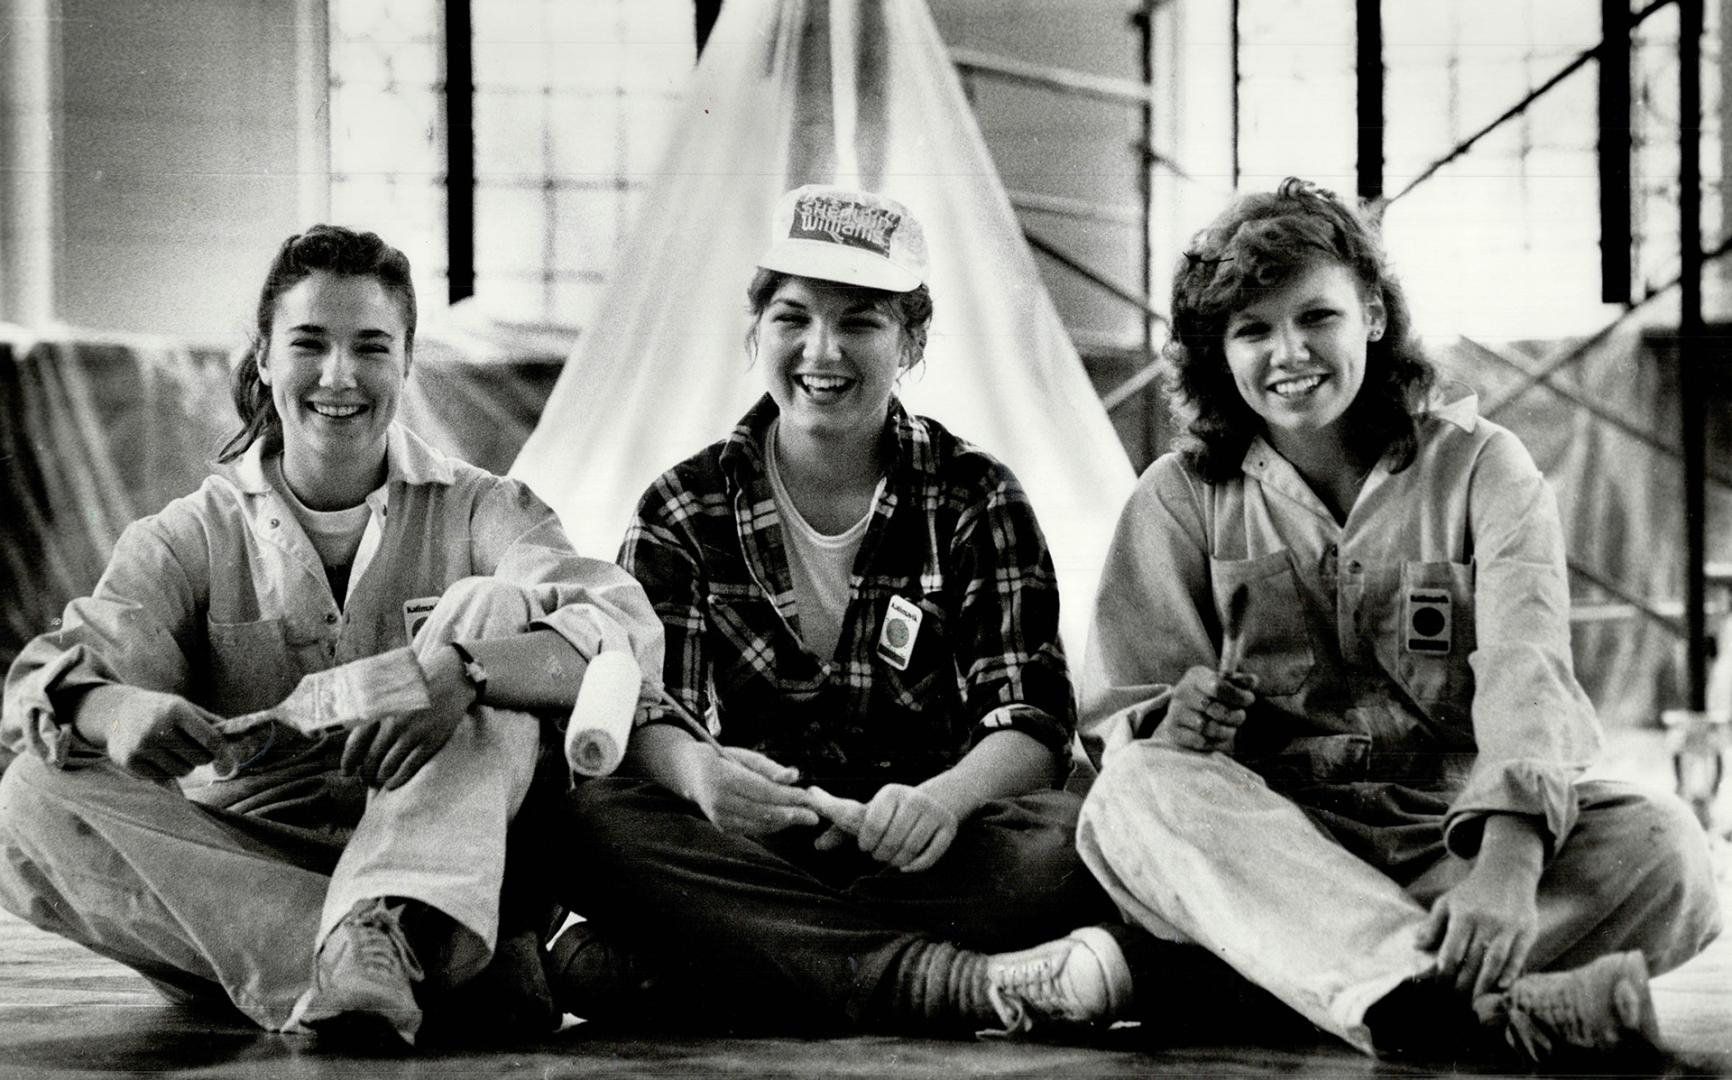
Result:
1619,479
857,92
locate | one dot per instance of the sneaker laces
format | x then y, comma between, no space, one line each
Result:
1589,1008
1022,988
1043,983
379,941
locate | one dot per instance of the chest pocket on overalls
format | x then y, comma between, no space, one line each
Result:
254,665
1430,631
1275,640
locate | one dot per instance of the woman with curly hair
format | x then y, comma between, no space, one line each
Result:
1330,675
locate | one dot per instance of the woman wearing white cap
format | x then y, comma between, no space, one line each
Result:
865,608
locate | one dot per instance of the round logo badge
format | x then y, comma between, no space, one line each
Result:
896,633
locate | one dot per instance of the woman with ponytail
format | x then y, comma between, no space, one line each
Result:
337,882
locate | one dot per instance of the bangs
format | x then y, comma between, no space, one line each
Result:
1261,257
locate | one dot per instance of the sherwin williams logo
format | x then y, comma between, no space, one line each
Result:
840,221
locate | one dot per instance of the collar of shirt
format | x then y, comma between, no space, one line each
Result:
409,460
1454,403
907,446
906,443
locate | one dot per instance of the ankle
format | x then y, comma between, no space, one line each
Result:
1423,1017
934,984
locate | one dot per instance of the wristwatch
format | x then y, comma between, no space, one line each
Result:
472,670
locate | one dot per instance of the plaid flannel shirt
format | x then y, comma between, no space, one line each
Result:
953,534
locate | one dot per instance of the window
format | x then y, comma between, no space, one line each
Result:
573,102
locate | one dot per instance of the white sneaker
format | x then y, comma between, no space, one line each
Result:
364,979
1599,1008
1081,978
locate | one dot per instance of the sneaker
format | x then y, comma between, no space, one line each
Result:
364,978
1079,979
592,977
1601,1008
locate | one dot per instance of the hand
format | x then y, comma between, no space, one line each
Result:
901,826
1483,930
388,753
152,734
1205,710
742,791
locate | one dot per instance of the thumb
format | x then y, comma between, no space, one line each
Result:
1245,680
832,837
1429,936
202,726
844,814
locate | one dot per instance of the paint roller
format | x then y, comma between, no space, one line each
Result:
601,719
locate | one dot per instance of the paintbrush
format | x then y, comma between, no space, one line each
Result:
1232,641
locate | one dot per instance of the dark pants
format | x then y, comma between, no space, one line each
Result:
772,932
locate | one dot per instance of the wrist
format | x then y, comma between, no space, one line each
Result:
97,710
1511,848
956,798
470,671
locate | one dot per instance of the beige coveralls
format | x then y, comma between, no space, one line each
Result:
229,885
1415,676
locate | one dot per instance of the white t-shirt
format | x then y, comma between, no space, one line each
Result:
336,534
821,565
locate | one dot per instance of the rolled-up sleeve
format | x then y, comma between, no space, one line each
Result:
1153,617
592,604
134,628
1008,650
1534,727
659,553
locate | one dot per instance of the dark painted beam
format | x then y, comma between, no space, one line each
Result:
1616,286
1238,77
1692,356
460,149
1368,57
1143,22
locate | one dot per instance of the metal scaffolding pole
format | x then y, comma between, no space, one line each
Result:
460,148
1692,385
1614,152
1369,74
1145,23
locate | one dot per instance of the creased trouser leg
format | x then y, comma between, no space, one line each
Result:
779,936
1634,873
134,871
440,837
1197,848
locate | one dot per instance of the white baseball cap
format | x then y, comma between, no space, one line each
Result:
840,234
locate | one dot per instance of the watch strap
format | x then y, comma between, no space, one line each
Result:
472,670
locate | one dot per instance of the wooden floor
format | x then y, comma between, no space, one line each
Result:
65,1013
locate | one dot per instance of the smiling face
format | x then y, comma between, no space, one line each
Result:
831,354
335,362
1298,354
